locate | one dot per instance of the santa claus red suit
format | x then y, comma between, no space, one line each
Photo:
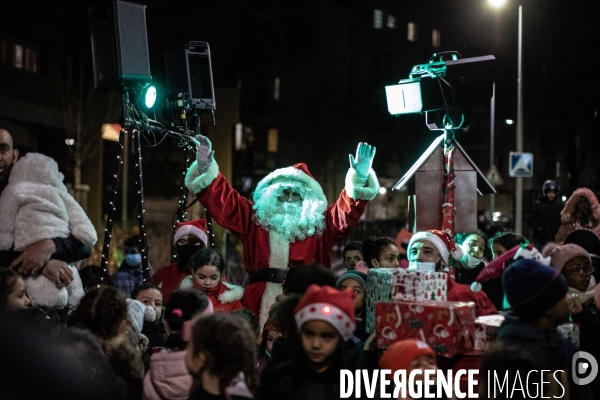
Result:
279,231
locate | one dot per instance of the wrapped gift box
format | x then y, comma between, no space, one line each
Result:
446,326
386,284
570,331
486,330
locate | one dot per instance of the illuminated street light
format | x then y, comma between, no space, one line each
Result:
382,190
497,3
509,121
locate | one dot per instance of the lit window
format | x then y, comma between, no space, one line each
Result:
31,60
412,32
377,19
17,58
435,38
239,136
276,86
391,21
272,140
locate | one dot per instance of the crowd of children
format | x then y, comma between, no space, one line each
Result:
188,334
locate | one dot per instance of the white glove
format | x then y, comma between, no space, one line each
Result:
205,155
362,163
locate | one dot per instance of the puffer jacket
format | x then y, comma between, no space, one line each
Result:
168,377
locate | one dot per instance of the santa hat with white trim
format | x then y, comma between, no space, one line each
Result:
196,228
442,241
328,305
296,173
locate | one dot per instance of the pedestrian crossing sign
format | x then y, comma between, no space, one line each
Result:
520,165
493,176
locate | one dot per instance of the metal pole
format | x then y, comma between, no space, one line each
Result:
492,137
125,184
519,189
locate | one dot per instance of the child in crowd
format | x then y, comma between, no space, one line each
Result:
221,358
528,338
410,355
380,252
103,312
265,348
139,314
576,266
503,241
12,290
208,268
352,254
150,295
325,317
471,263
357,282
168,377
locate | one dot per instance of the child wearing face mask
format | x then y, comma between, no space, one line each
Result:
207,268
472,261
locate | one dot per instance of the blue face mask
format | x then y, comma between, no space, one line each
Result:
133,259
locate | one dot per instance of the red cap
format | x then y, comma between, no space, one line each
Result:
401,354
329,305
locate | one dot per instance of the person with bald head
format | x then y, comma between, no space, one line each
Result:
48,256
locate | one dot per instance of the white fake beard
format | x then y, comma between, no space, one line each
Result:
295,220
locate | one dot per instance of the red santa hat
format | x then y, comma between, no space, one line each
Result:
296,173
442,241
196,228
496,268
329,305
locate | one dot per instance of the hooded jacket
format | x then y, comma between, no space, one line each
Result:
168,377
566,215
544,349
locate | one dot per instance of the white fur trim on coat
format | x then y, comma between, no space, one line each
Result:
367,192
234,293
197,182
267,300
289,174
35,205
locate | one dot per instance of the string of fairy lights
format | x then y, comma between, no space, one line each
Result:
135,124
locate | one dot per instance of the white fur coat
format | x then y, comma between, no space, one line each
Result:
36,205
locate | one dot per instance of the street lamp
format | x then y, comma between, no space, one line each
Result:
519,188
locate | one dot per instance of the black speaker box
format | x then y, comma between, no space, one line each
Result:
119,44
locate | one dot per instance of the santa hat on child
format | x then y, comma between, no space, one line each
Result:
496,268
401,354
328,305
442,241
196,228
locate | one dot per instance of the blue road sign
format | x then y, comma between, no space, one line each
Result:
520,165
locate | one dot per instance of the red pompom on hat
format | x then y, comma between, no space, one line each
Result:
496,268
329,305
196,228
401,354
442,241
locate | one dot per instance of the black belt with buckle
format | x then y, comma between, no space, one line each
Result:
273,275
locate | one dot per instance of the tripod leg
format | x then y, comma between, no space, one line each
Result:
111,211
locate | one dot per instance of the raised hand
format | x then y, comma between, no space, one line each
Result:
363,161
205,155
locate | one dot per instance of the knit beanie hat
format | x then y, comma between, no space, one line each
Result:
328,305
562,254
401,354
358,276
137,313
532,288
442,241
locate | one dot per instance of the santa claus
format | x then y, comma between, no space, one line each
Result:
287,222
